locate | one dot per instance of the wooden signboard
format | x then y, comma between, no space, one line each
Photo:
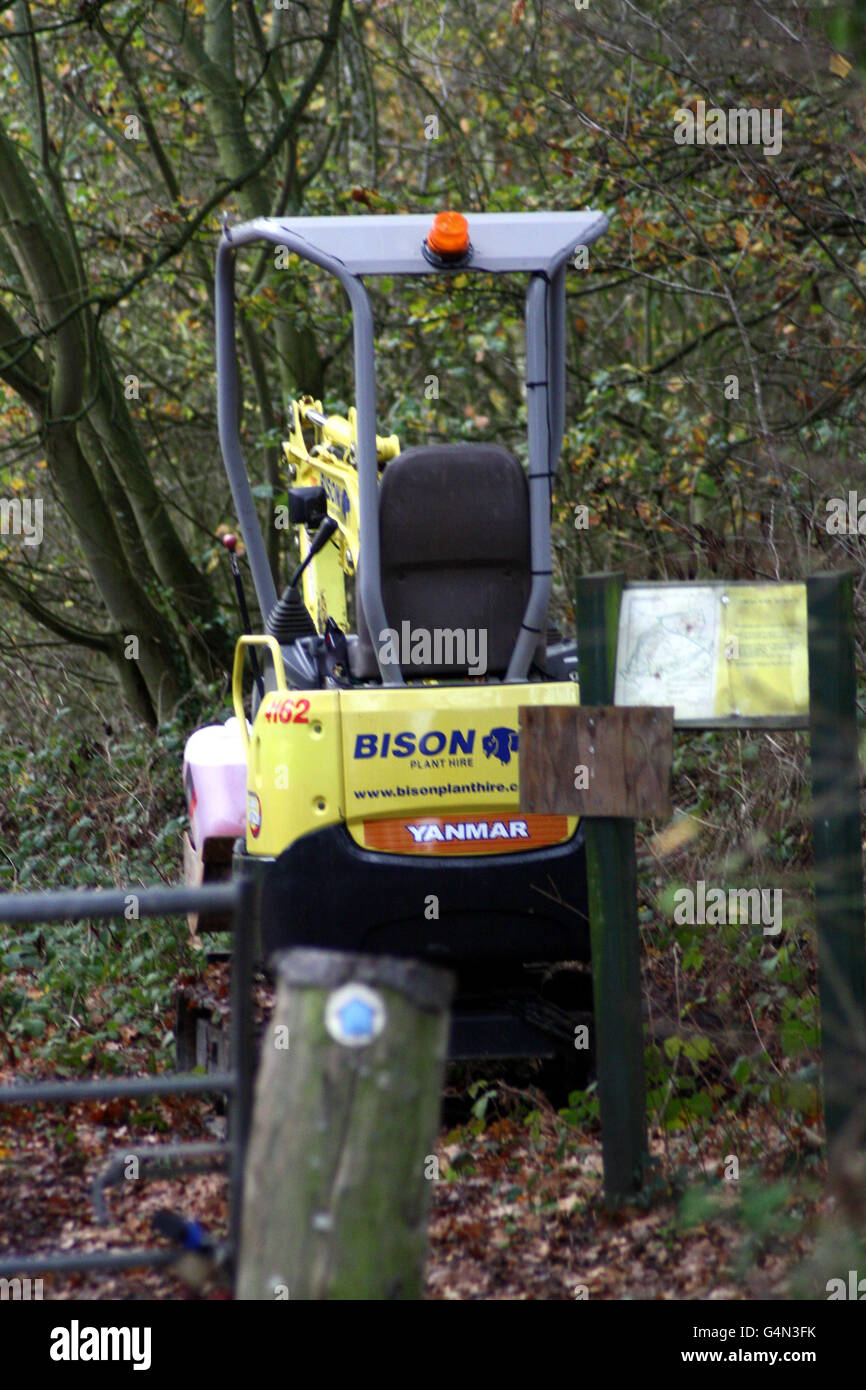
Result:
596,760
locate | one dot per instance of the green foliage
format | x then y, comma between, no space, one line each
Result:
482,1094
744,1034
676,1099
81,813
768,1215
583,1108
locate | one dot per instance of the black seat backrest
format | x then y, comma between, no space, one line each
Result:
455,551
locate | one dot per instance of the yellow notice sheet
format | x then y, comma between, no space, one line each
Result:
763,664
716,652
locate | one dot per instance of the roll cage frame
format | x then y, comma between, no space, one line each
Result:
539,244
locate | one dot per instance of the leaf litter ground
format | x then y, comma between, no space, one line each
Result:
517,1212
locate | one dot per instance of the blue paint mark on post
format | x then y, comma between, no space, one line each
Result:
355,1015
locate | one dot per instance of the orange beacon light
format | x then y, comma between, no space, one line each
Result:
448,238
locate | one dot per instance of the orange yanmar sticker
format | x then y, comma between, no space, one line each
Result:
465,834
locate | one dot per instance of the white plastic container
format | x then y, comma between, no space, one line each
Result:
215,782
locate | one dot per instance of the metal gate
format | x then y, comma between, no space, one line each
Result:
235,1082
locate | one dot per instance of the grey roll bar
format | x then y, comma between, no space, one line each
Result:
538,244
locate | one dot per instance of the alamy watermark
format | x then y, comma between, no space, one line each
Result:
439,646
22,516
846,516
738,125
854,1288
20,1290
77,1343
714,907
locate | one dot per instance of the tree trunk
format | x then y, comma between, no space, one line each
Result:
191,591
57,386
150,668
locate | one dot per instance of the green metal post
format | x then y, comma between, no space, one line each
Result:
615,940
838,860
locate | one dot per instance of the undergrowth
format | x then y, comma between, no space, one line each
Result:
83,811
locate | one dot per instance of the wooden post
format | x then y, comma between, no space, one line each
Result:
614,936
836,832
341,1155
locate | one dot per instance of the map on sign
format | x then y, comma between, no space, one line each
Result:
666,655
716,652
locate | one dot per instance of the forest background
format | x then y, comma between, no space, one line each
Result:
715,362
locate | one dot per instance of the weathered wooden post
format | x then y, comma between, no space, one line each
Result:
836,829
337,1187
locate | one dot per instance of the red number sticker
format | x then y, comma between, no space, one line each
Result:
289,712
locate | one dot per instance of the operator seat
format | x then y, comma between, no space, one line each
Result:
455,551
